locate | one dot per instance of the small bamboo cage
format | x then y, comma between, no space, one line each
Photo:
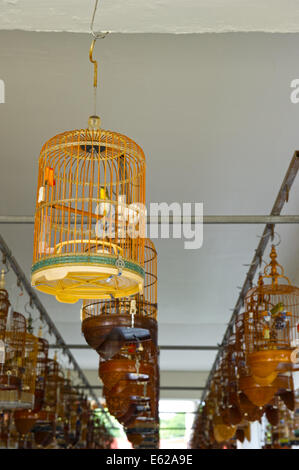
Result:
271,323
9,434
12,366
54,389
17,388
90,216
26,419
215,429
5,423
41,373
100,317
29,369
73,413
4,307
229,405
44,428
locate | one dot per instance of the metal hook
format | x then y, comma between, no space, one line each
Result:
95,64
279,239
96,35
19,285
4,261
93,61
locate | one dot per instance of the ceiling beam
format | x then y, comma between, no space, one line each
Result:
174,220
162,348
168,388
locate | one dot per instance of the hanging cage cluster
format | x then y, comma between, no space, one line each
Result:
124,334
253,377
89,244
39,406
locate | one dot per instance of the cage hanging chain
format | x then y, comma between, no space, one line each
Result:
137,365
93,61
133,312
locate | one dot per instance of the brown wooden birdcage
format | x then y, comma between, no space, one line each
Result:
4,307
271,323
202,436
54,387
130,387
100,318
89,220
26,419
228,397
53,407
147,422
132,372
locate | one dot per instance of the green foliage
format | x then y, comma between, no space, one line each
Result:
176,426
102,419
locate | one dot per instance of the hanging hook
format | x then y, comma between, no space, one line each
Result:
4,261
28,304
95,64
19,285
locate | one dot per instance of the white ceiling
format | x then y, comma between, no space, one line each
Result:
154,16
213,115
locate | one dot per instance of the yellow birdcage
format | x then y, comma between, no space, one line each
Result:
29,369
41,373
53,406
17,372
90,216
271,324
259,391
54,388
99,318
25,419
12,362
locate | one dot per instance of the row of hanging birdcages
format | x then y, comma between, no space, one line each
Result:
254,375
90,200
39,405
